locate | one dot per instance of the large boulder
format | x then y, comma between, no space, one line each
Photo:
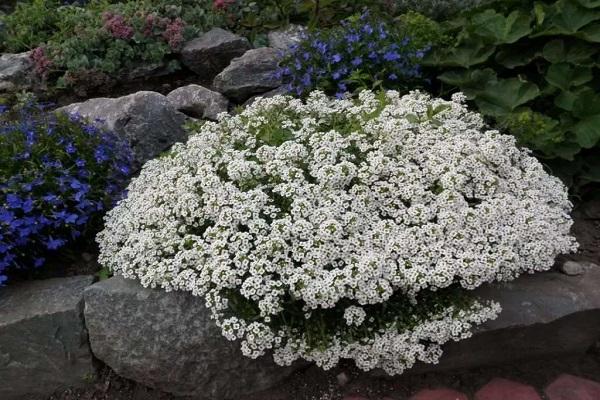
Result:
281,90
544,315
198,102
283,39
167,341
147,120
16,72
43,340
251,74
211,52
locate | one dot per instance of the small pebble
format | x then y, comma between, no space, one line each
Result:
342,379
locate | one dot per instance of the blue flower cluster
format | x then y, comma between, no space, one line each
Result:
58,173
360,54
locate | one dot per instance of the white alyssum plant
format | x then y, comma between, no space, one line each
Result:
331,229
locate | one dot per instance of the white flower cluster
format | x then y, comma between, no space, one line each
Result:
326,201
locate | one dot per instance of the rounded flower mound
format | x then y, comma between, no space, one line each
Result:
341,229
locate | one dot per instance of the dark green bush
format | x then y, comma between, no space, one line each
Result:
532,67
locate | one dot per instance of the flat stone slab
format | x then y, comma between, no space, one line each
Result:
544,315
43,340
167,341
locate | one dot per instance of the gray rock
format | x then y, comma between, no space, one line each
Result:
576,267
544,315
198,102
283,39
16,72
43,340
147,119
253,73
167,341
281,90
211,52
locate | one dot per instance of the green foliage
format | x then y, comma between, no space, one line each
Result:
29,25
532,67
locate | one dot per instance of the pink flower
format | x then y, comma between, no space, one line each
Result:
222,4
41,62
115,24
173,33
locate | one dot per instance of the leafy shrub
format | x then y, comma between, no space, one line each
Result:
57,174
438,9
532,67
341,229
115,41
30,24
362,54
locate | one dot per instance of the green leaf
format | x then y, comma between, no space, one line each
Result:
590,33
564,76
470,82
465,56
586,104
500,29
567,18
589,3
588,131
503,96
579,53
565,100
516,57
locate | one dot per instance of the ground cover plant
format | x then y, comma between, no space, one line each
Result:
58,173
331,229
532,69
363,53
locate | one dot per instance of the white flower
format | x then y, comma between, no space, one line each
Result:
298,208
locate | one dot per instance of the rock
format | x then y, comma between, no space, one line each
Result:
16,72
342,379
198,102
501,389
545,315
283,39
250,74
440,394
576,267
147,119
211,53
168,342
281,90
569,387
43,340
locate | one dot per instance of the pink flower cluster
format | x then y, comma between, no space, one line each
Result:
41,62
115,24
222,4
173,33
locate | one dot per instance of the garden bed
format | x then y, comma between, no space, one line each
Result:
382,212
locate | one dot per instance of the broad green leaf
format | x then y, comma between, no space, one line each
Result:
565,76
466,56
565,100
589,3
499,29
516,57
586,104
588,131
590,33
503,96
470,82
567,19
579,53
